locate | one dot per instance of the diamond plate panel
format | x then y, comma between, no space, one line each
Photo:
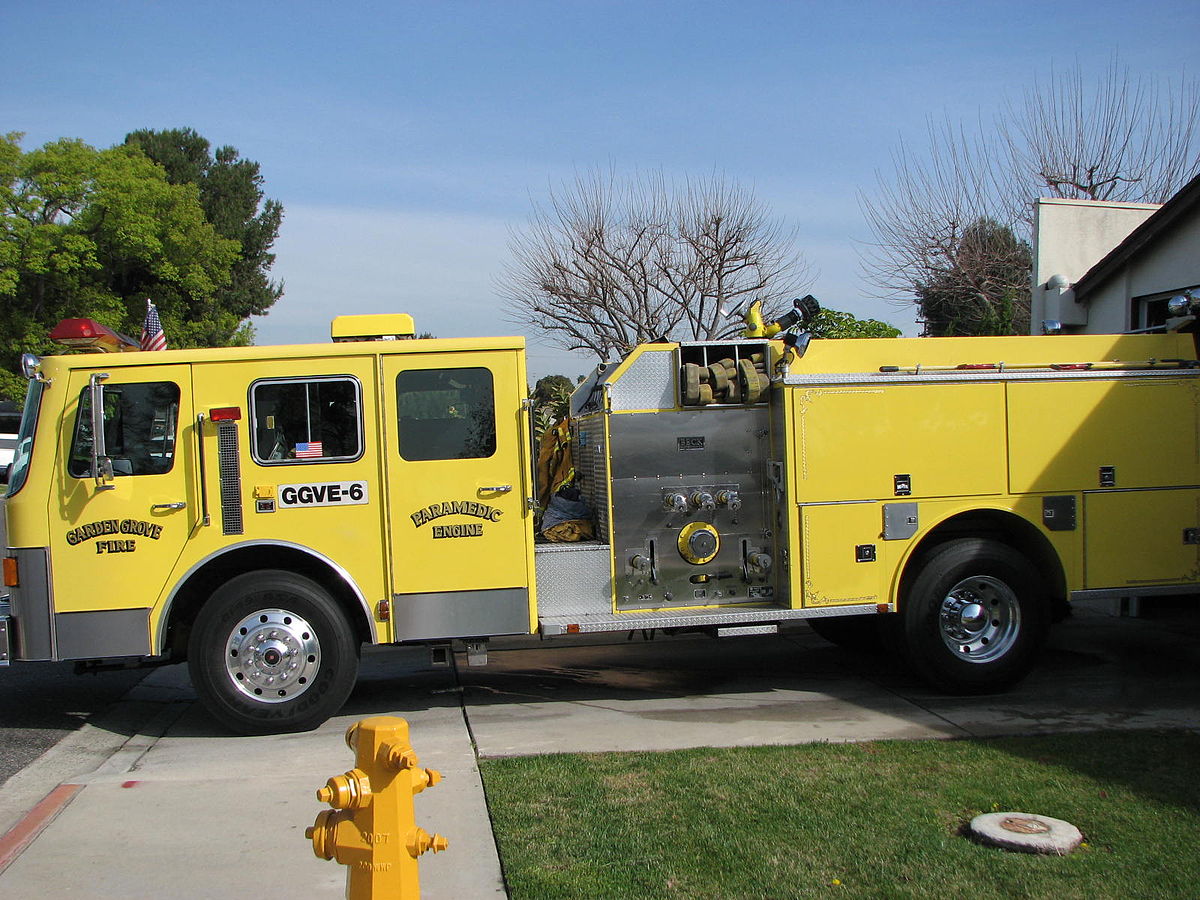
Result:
691,618
648,383
591,468
573,580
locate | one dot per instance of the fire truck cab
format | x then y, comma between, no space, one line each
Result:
262,512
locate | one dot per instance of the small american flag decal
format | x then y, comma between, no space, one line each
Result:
311,450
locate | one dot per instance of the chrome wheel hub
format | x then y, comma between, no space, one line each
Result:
980,619
272,655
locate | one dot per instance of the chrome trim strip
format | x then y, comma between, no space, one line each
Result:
1140,490
102,633
813,503
460,614
1162,590
161,631
684,618
878,378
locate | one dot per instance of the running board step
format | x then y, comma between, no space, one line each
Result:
743,630
745,617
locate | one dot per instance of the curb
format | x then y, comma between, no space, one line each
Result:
21,835
149,720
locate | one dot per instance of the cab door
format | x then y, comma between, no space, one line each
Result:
457,479
118,536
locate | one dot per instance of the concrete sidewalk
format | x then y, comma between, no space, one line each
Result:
168,805
182,810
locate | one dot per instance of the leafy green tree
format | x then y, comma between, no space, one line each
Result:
981,287
552,387
832,323
551,402
85,233
231,193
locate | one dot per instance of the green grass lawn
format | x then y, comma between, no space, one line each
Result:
879,819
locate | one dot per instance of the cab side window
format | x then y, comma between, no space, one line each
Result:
446,414
140,424
306,420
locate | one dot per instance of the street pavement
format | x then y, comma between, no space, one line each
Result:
154,800
43,702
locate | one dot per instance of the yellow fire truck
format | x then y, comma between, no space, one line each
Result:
262,512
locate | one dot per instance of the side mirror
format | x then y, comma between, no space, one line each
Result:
102,469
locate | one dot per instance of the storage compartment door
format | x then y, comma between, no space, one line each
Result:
1140,430
841,545
919,440
1141,538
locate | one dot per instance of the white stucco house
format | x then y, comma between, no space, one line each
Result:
1101,267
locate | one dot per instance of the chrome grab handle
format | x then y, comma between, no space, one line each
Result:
496,489
204,517
178,504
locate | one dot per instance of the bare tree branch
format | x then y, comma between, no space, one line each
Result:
607,263
953,225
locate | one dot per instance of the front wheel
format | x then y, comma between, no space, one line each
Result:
974,616
272,652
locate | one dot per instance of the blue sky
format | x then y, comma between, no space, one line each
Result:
407,140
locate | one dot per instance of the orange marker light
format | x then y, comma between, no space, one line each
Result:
10,572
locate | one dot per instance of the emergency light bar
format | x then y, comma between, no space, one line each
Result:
88,334
377,327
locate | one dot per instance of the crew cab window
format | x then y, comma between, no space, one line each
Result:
306,420
446,414
140,424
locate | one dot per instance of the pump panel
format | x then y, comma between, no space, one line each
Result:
689,513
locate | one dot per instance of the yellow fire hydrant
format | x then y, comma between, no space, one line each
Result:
372,828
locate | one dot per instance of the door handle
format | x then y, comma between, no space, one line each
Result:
495,489
178,504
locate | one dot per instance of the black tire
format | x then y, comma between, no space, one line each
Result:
974,616
272,652
860,634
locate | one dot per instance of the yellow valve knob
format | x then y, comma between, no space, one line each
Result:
401,757
349,791
420,841
698,542
321,833
425,778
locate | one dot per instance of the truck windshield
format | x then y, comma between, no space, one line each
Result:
24,450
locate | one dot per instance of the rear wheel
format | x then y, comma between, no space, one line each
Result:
272,652
974,616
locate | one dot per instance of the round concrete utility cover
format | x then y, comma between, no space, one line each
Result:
1026,832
